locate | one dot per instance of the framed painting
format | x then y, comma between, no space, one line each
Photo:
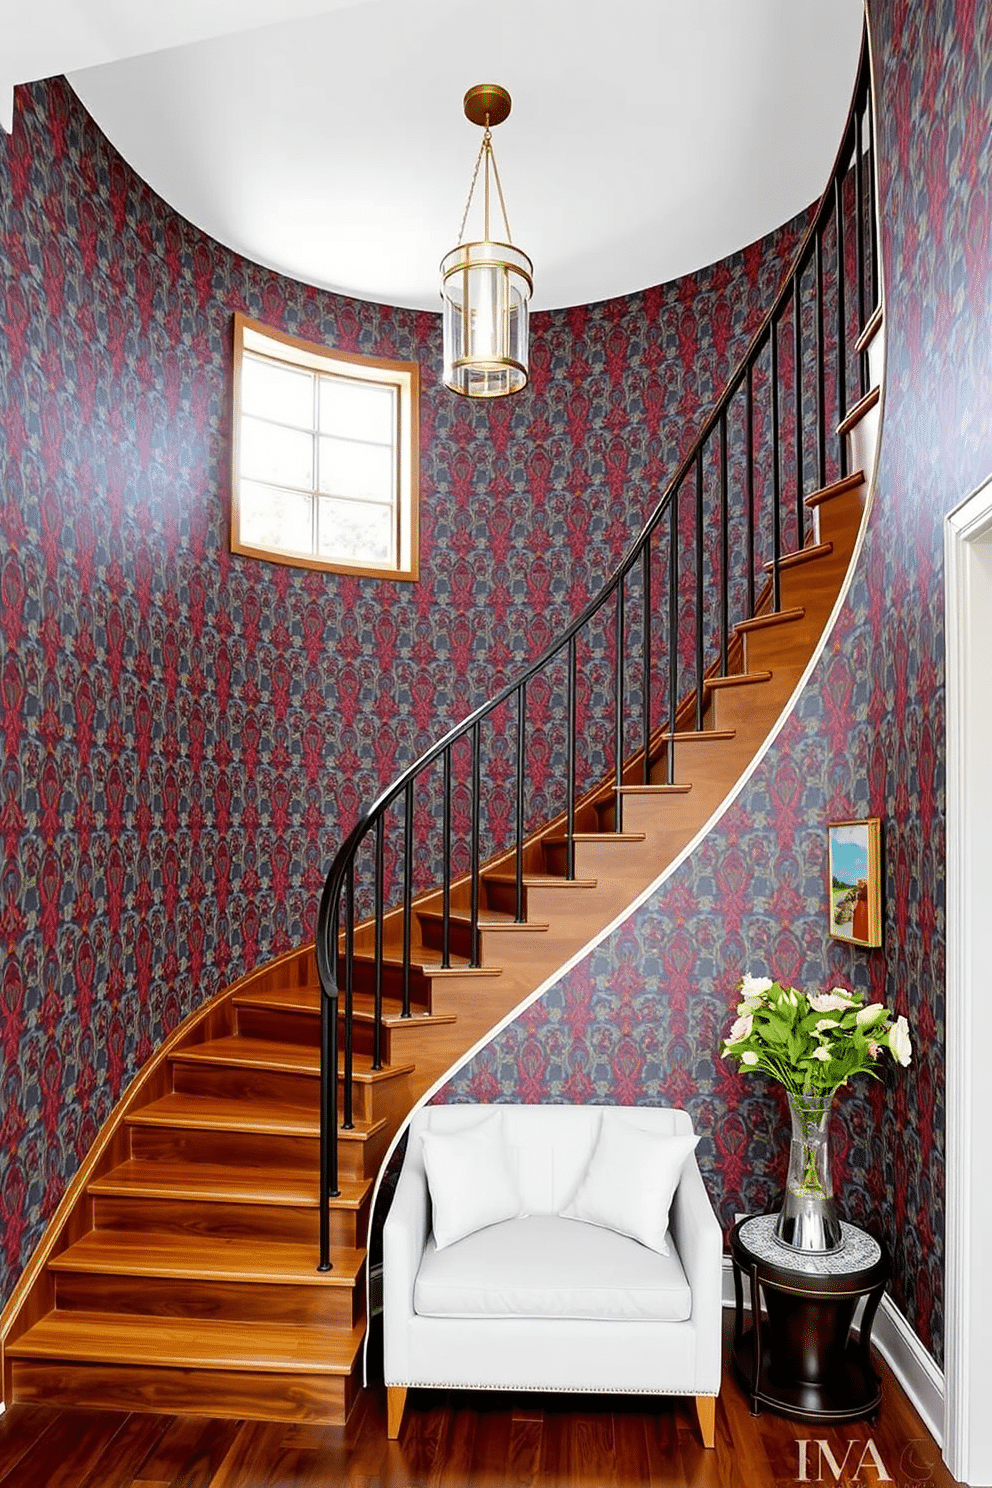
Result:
854,880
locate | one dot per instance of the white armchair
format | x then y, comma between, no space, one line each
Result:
540,1301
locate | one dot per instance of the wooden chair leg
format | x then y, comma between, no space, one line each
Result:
395,1402
706,1411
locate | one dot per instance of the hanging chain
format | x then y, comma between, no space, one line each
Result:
485,149
475,176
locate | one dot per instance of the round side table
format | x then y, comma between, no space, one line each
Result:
798,1356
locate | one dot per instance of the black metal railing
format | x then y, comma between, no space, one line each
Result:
662,625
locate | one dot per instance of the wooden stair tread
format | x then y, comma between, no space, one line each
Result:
697,736
144,1178
217,1258
859,410
307,1000
655,790
872,326
801,555
541,880
738,679
256,1053
200,1343
217,1113
489,919
560,841
837,488
773,617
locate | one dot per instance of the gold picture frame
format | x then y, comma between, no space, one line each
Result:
854,881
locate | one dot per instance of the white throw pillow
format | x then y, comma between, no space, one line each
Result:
630,1182
470,1180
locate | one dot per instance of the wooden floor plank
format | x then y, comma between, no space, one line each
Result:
189,1453
466,1439
67,1452
130,1449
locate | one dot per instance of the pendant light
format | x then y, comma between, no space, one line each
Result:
486,285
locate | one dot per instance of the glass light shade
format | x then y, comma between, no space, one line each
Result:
485,289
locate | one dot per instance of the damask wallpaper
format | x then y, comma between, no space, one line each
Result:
187,735
640,1020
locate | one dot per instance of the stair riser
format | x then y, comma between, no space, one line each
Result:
838,520
224,1393
153,1296
814,586
776,647
302,1029
710,764
356,1159
206,1217
752,709
502,897
459,935
237,1082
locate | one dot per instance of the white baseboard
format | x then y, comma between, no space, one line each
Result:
912,1364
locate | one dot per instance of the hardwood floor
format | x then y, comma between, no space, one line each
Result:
458,1439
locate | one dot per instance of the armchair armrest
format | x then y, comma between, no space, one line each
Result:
404,1237
699,1242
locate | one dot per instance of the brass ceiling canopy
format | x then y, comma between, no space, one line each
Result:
487,104
486,285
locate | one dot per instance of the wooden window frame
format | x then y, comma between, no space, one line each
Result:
266,341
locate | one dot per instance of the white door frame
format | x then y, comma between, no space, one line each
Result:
968,1301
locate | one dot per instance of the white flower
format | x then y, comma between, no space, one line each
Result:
830,1002
740,1030
821,1053
870,1013
900,1045
749,1057
749,1005
874,1049
822,1023
849,997
755,986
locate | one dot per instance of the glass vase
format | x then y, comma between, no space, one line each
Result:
808,1220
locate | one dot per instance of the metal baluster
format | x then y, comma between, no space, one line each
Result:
699,611
673,610
521,768
724,551
571,705
821,386
446,861
407,892
749,444
776,479
476,812
841,326
860,247
646,664
618,699
798,371
875,246
379,916
349,1008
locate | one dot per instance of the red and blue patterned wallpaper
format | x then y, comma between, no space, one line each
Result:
640,1019
187,735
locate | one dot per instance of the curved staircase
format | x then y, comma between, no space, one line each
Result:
180,1273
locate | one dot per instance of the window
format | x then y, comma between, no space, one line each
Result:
325,456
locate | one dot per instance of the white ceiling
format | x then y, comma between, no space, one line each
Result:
647,138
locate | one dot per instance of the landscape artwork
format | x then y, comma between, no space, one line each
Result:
855,881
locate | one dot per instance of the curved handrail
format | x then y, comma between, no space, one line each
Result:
854,157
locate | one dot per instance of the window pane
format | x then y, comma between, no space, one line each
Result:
355,532
280,520
363,471
278,393
271,453
355,410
